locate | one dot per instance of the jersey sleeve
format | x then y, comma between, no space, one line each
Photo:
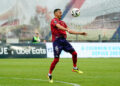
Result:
54,22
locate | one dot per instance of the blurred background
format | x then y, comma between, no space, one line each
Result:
19,19
25,33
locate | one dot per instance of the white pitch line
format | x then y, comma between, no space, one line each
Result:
73,84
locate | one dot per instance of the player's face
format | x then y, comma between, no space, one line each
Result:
59,14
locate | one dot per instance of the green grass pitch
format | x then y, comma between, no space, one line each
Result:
27,72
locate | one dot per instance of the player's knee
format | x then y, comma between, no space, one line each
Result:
74,53
56,60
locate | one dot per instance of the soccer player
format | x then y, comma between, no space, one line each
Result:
59,29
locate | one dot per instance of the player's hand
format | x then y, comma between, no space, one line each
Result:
83,33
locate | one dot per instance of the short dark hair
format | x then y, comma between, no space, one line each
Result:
56,10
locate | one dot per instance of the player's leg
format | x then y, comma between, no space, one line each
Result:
68,48
74,58
57,50
53,64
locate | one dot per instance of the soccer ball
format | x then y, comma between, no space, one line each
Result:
75,12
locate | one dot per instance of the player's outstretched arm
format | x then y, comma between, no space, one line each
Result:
75,32
61,27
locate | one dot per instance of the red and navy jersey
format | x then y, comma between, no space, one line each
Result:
56,33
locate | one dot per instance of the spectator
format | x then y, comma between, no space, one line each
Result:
36,38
